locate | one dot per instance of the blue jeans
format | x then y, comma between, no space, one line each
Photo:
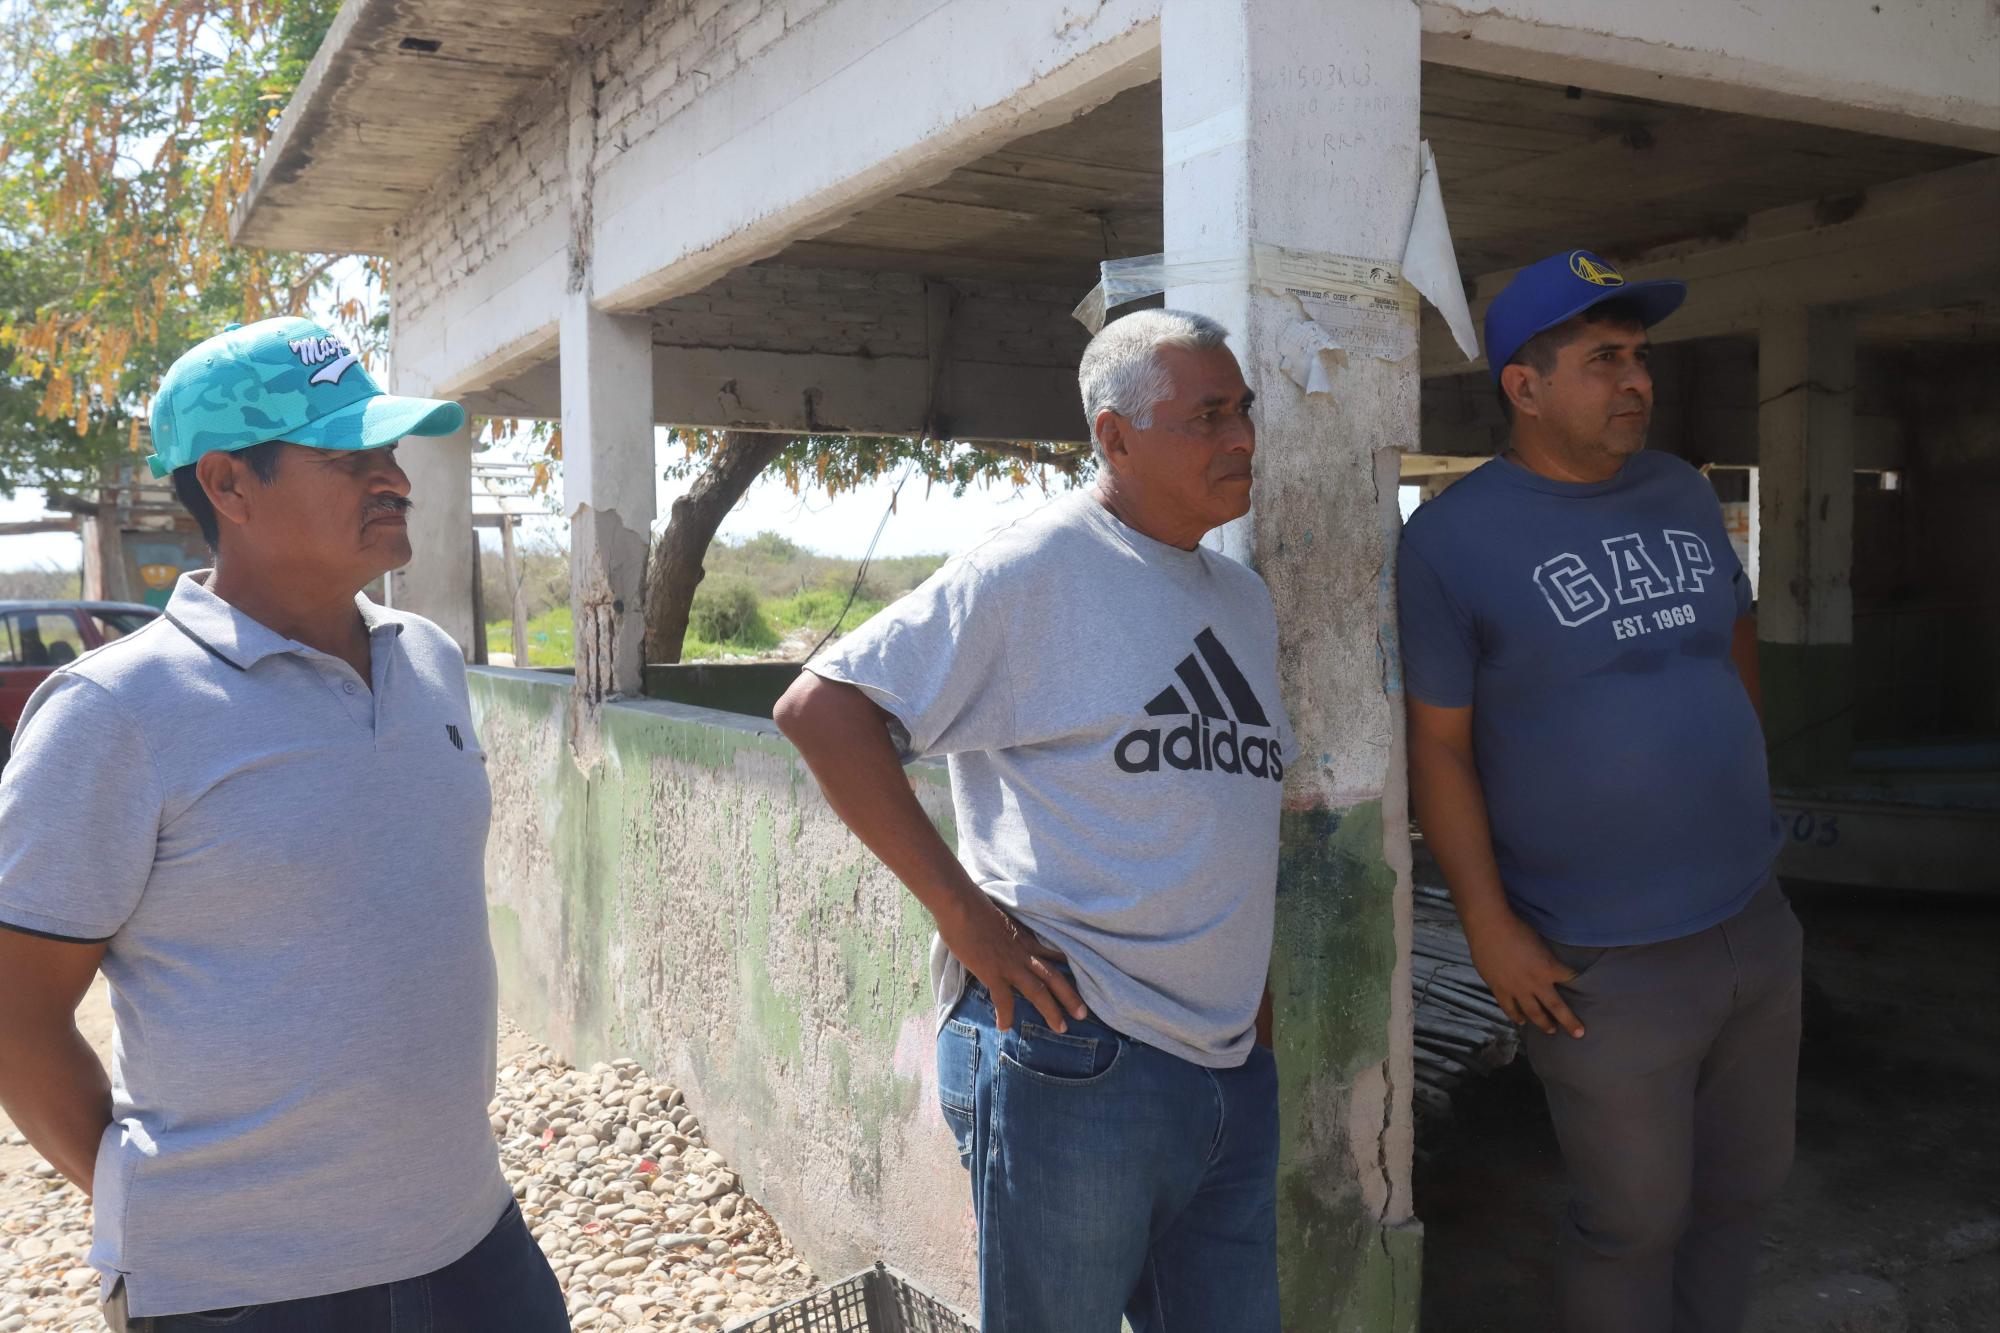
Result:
1110,1178
503,1283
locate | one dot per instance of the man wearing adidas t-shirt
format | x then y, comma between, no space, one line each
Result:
1106,692
1587,765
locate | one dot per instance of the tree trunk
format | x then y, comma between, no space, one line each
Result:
675,570
104,557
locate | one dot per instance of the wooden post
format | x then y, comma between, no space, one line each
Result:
104,577
478,605
510,570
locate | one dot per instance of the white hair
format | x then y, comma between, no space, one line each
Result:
1121,369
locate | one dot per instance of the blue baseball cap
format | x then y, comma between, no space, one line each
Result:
281,379
1561,287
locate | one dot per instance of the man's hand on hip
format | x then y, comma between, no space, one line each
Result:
1522,974
1008,958
845,740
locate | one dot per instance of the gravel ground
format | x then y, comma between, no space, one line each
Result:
645,1224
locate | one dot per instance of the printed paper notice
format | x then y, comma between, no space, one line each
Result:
1302,354
1362,305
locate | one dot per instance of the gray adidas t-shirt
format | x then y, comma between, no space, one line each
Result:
288,863
1109,708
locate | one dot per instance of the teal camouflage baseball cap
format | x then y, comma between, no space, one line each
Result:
281,379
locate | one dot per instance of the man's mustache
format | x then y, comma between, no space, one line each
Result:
387,504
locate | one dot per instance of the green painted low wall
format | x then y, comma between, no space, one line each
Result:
682,895
750,688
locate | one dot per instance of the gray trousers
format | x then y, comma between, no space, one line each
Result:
1675,1115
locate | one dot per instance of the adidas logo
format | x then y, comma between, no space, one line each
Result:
1210,739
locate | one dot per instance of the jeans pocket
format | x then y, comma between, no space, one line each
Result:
958,1080
1060,1058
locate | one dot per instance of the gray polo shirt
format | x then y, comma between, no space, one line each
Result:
288,864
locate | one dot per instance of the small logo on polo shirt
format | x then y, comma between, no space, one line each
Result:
1594,270
1212,739
458,741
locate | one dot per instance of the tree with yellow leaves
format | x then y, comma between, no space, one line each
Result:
128,129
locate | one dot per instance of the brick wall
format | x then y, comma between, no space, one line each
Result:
649,71
514,178
649,62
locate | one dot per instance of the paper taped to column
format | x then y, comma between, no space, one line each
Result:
1347,305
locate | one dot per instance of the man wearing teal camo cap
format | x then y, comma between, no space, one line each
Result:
285,809
281,379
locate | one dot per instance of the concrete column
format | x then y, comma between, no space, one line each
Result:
1294,123
437,583
1805,613
607,432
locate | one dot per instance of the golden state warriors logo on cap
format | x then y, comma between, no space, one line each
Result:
1594,270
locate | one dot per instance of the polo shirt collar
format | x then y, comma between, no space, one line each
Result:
235,637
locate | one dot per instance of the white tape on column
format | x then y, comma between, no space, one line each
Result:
1351,304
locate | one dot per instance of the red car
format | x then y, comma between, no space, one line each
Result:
38,637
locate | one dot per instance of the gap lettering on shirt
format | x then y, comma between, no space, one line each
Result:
1578,596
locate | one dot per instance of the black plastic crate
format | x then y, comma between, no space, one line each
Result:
879,1300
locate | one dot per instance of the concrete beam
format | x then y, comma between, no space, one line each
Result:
1332,92
798,392
829,119
1909,69
395,93
846,352
1929,235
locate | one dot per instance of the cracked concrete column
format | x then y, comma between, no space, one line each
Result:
1805,612
1293,123
437,583
607,425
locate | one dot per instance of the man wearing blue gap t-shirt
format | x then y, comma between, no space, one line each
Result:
1587,766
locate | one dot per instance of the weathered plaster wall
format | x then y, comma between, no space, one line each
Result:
691,901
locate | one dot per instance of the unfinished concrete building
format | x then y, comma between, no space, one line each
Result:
877,215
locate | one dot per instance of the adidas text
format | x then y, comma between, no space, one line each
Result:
1198,745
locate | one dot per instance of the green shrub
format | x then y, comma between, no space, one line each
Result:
726,611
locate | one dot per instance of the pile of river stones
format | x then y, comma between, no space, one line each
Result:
45,1281
645,1224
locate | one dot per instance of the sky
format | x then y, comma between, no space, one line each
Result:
934,524
922,525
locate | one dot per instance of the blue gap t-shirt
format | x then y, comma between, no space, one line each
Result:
1588,625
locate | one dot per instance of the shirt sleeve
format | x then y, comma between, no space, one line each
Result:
936,660
1439,642
80,804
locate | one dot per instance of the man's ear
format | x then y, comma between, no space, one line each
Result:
223,476
1519,383
1114,436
